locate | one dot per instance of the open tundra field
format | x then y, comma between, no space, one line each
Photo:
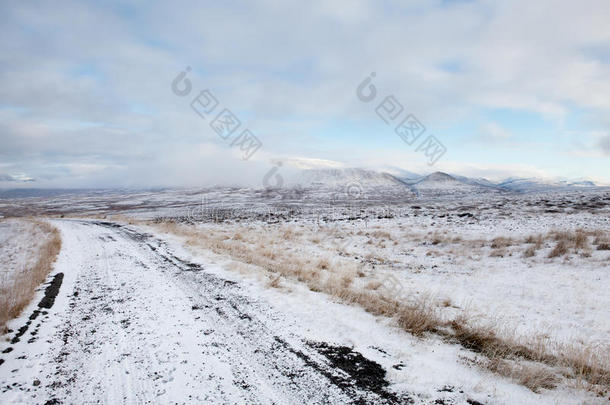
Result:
438,292
435,292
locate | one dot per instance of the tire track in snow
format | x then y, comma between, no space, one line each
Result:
145,326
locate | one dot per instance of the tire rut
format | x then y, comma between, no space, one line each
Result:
361,380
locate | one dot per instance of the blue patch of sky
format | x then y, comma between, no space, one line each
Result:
14,108
143,109
598,52
451,66
86,70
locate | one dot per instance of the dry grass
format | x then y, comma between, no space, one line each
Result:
580,241
527,361
381,235
536,240
275,282
534,376
16,297
501,242
530,252
560,249
290,234
323,264
498,252
419,317
559,242
577,239
562,243
590,366
567,241
437,240
602,241
319,276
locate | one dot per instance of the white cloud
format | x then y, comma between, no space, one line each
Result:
494,131
311,163
18,178
74,75
604,144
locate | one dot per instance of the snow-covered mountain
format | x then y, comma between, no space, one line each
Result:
340,177
401,173
442,181
439,183
398,181
479,181
344,183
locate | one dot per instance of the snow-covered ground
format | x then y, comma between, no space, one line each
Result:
139,319
564,298
20,241
146,315
446,249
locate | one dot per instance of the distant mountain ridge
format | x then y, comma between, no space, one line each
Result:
525,185
434,183
354,182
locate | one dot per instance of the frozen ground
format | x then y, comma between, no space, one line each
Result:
136,319
140,317
451,258
445,248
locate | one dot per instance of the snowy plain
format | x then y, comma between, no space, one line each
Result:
144,316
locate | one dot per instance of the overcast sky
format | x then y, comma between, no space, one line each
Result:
509,88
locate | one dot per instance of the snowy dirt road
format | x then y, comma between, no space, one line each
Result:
133,323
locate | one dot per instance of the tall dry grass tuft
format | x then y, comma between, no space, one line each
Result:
588,364
16,297
523,357
530,252
602,241
560,249
501,242
570,240
563,242
536,240
534,376
419,317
